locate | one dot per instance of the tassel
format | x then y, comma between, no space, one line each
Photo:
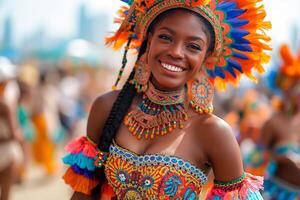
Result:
80,160
79,183
249,190
83,145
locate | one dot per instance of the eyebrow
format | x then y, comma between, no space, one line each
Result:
189,37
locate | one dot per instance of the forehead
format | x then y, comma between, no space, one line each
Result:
182,21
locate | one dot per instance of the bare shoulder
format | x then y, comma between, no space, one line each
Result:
221,147
269,131
99,113
214,128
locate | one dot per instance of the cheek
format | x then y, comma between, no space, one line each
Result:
197,62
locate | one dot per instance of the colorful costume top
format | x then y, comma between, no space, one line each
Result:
150,176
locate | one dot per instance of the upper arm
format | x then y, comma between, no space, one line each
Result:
12,124
224,152
99,113
267,134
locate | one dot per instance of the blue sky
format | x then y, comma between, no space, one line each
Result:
58,16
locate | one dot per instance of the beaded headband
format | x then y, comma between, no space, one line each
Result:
239,27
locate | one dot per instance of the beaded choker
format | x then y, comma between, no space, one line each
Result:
158,114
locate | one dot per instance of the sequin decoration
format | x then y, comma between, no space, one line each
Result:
158,114
201,92
153,176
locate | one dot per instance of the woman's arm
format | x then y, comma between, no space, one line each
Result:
97,117
225,157
11,122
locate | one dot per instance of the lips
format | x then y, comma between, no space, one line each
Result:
172,68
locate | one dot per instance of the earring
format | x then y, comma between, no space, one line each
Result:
200,94
142,74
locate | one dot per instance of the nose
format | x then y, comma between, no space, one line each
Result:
176,51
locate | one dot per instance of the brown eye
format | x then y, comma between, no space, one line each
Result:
194,47
165,37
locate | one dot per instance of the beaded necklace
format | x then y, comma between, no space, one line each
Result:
158,114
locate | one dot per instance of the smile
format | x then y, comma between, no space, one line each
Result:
171,68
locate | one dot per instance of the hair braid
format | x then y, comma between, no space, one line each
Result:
118,111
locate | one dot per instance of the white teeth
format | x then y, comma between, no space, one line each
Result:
171,67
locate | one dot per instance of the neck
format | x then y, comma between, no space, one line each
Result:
165,97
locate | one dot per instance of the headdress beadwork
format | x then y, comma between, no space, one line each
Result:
239,27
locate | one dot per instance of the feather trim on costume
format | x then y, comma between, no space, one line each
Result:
83,158
84,145
244,188
79,183
80,160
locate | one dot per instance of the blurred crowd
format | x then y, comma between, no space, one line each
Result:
42,107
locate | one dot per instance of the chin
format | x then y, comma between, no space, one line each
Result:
168,84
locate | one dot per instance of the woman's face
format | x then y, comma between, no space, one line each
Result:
176,50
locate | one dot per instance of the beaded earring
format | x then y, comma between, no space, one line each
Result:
200,94
142,74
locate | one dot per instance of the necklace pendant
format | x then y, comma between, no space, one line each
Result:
158,114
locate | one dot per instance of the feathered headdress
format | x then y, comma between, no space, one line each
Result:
239,27
289,69
291,63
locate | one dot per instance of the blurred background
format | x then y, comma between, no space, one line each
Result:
59,64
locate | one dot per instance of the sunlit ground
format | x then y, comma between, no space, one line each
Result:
36,186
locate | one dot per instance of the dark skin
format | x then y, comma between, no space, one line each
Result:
284,128
183,44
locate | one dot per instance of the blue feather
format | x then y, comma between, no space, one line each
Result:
80,160
234,13
229,68
238,33
240,56
235,64
241,47
226,5
211,73
237,22
241,41
219,72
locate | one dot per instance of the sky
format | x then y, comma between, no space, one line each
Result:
59,16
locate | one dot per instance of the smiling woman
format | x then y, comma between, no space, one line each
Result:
169,139
177,47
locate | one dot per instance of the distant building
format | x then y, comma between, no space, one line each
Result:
7,40
7,43
92,28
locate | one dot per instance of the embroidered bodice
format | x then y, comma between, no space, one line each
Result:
152,176
146,177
